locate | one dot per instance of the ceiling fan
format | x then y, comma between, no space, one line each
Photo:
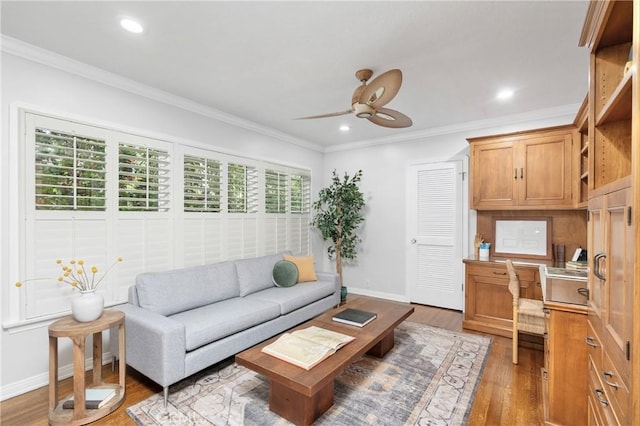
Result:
368,100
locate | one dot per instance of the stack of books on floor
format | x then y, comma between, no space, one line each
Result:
94,398
578,265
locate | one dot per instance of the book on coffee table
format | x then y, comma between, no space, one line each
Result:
307,347
354,317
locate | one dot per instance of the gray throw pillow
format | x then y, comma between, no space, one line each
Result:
285,273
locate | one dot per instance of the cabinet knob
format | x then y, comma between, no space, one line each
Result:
499,273
515,173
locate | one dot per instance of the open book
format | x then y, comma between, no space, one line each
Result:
307,347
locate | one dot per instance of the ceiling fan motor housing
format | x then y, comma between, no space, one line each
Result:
363,110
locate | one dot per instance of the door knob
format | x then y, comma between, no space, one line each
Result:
413,241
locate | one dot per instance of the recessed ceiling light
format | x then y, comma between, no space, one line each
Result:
344,128
131,25
504,94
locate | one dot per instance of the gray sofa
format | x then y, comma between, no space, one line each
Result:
179,322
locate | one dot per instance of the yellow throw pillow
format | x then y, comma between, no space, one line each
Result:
306,271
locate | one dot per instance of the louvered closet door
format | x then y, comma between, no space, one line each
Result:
434,231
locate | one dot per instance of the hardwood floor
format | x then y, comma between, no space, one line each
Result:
507,394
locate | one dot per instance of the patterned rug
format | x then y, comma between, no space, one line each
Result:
428,378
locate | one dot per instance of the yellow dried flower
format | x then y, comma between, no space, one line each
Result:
80,262
18,284
58,261
72,261
61,278
94,269
79,271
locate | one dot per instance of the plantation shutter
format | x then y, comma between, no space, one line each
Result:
202,183
299,237
143,178
70,171
242,198
275,197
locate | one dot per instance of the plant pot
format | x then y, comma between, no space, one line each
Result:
343,294
87,306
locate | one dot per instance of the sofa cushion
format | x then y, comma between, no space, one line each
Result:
255,274
216,321
285,273
291,298
178,290
306,269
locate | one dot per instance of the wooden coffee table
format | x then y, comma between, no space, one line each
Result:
301,396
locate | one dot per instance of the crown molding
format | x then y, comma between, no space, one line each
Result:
564,112
36,54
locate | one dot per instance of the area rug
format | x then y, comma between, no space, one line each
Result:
428,378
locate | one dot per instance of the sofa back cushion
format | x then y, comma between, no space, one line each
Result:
170,292
256,274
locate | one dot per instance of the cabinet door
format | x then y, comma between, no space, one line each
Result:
543,167
618,318
493,175
567,354
595,247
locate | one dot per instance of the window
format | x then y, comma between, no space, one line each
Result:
70,171
300,194
242,189
94,193
143,178
202,177
275,192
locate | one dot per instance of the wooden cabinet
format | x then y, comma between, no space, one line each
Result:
613,156
522,170
581,163
488,302
611,284
565,353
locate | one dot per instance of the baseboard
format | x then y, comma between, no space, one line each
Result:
40,380
378,294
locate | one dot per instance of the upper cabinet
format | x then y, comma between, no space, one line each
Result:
608,33
522,170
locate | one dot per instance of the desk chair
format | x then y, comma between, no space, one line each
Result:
528,314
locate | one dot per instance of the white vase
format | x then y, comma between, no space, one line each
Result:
88,306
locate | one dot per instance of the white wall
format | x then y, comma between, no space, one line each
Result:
24,352
380,268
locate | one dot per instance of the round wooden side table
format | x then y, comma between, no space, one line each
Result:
78,333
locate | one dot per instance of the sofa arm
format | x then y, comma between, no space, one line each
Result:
331,277
155,344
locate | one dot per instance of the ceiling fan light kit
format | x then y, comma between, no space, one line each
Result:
368,100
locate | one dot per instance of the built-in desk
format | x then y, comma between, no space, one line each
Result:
488,302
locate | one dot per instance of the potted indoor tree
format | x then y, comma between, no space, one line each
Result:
338,215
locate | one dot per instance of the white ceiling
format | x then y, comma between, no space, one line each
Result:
270,62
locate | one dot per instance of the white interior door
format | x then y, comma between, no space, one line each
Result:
435,234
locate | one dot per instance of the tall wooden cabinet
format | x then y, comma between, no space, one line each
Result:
522,170
612,32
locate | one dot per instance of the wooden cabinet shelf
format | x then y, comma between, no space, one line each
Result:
618,107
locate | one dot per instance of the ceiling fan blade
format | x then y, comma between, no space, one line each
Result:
331,114
386,117
382,89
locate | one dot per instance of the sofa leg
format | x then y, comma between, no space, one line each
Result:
165,391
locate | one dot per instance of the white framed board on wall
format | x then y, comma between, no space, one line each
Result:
523,237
